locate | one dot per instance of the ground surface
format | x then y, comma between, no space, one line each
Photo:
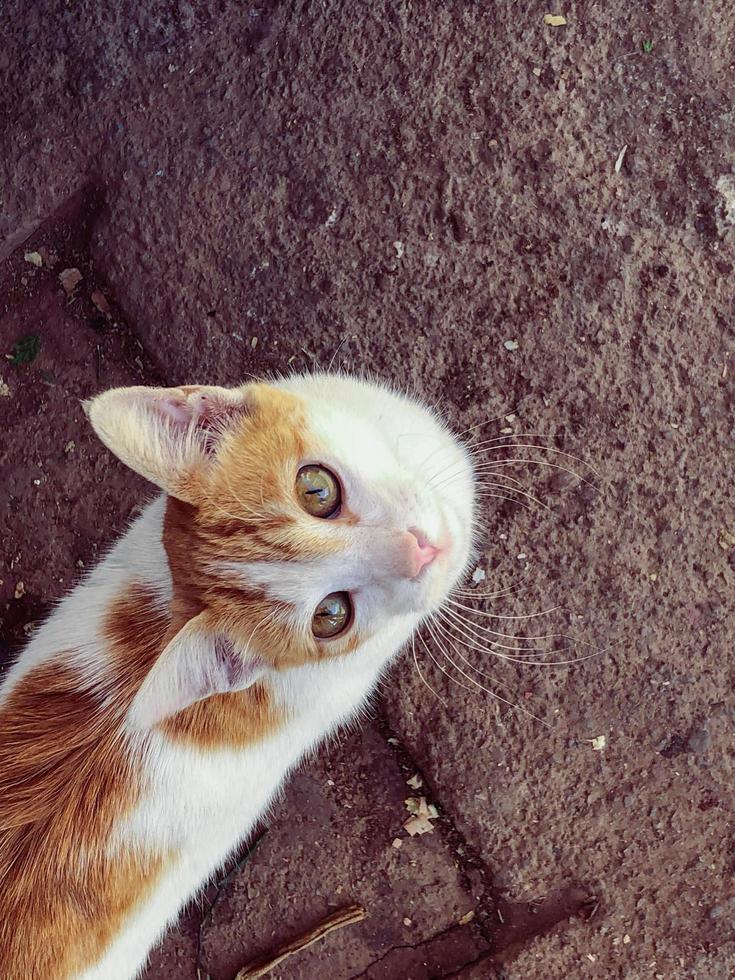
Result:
435,185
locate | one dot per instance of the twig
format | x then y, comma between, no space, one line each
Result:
264,964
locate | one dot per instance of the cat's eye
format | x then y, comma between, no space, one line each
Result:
332,616
318,491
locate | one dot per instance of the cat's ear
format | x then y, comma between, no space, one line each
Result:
196,664
168,435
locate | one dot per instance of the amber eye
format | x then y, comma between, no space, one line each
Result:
318,491
332,616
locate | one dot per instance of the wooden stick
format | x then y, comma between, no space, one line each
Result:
264,964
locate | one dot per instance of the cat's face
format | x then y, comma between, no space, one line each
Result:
317,517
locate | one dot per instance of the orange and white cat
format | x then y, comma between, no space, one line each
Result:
302,537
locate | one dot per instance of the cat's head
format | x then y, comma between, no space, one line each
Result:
317,517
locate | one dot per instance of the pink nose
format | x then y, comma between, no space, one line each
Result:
423,553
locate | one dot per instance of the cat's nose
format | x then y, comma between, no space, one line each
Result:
423,552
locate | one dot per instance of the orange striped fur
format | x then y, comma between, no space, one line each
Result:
201,621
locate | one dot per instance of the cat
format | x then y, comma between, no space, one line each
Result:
306,528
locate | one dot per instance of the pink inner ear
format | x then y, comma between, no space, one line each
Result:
233,671
177,410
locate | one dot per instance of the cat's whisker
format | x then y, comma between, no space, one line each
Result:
470,637
460,617
420,672
473,593
436,662
444,633
523,493
484,449
479,425
526,661
482,612
512,500
338,349
546,449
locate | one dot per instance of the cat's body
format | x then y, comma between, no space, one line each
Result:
153,718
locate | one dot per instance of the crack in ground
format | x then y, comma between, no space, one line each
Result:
412,946
504,925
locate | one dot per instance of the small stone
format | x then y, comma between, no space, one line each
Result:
510,344
522,556
254,342
479,575
70,447
4,390
35,258
626,939
70,279
20,591
555,20
397,843
599,743
400,249
415,782
407,922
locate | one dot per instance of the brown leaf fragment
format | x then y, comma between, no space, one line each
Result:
70,279
100,301
417,826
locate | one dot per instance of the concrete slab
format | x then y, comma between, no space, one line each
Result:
445,189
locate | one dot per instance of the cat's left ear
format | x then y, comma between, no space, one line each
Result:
196,664
168,435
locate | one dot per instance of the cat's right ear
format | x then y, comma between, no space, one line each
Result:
168,435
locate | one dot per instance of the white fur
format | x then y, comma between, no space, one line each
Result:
387,450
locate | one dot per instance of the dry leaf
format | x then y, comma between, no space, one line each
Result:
417,826
415,782
4,390
397,843
599,743
554,20
100,301
467,917
34,258
70,279
20,590
726,540
423,813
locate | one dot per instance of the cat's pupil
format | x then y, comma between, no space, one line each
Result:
318,491
332,615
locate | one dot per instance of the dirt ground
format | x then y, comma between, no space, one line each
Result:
513,219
